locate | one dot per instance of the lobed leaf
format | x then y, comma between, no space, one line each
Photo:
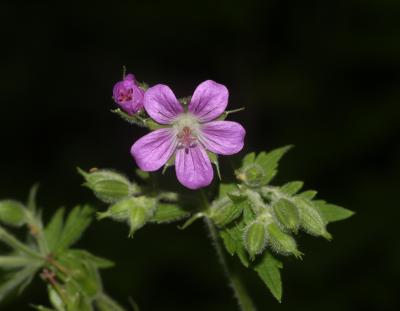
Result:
331,212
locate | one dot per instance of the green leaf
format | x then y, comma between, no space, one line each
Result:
224,189
167,212
269,162
17,280
12,213
99,262
105,303
331,212
42,308
233,241
292,187
308,195
269,271
248,159
54,229
77,222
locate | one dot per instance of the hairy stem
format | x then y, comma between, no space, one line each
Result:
243,299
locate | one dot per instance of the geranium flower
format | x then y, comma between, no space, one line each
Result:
188,134
128,95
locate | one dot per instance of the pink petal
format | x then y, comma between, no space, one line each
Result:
161,104
209,100
153,150
193,167
223,137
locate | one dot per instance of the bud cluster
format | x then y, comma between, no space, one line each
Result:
271,215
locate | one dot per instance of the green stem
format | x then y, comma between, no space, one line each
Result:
243,299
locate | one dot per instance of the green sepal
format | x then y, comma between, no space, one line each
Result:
268,268
224,210
226,113
287,214
282,242
255,238
214,160
12,213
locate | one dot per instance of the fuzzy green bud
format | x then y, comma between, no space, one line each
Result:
310,218
12,213
287,214
255,238
223,211
136,211
281,242
107,185
252,175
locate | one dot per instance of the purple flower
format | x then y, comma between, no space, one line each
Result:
189,133
128,95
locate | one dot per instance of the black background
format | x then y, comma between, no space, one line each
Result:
322,75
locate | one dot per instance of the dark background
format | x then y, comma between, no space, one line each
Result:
322,75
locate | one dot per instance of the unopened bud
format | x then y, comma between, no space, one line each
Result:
310,219
287,214
252,175
224,211
255,238
128,94
12,213
281,242
107,185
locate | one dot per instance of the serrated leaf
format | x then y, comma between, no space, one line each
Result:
331,212
77,222
54,229
269,162
17,279
269,271
292,187
167,212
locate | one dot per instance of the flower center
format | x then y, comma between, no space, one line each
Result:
187,130
125,95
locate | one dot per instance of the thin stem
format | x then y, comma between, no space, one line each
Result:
243,299
16,244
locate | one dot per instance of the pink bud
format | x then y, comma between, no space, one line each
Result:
128,95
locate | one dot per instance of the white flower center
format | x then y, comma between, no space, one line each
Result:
187,130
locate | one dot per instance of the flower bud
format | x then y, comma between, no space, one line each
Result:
281,242
107,185
128,95
287,214
255,238
12,213
252,175
310,219
223,211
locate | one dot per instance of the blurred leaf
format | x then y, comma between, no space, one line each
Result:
12,213
31,205
224,189
54,229
269,162
13,261
269,271
168,212
84,255
77,222
308,195
105,303
17,280
248,159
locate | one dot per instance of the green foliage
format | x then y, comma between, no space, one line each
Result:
71,275
168,212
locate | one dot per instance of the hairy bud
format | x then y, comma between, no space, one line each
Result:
255,238
252,175
287,214
281,242
107,185
224,211
310,219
